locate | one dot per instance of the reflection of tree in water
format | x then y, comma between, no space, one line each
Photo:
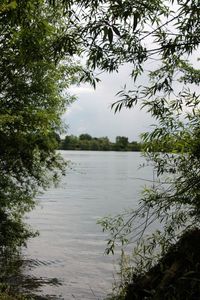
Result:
14,279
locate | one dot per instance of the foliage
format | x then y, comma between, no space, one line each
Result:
33,96
175,276
87,142
159,40
5,296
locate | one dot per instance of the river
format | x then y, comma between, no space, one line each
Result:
67,258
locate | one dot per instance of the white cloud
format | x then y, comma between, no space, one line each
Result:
82,89
73,108
82,129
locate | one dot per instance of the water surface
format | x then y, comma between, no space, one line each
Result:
68,256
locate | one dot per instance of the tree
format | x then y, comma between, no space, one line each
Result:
117,33
33,82
85,137
134,146
121,143
70,142
87,142
160,40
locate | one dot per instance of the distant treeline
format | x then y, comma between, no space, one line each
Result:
87,142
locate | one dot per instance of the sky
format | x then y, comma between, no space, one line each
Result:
91,113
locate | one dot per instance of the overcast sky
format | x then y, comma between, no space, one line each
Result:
92,113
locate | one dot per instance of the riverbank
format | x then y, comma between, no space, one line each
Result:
5,296
87,142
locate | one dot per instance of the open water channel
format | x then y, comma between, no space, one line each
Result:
67,260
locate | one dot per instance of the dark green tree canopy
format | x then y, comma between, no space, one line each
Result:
87,142
33,96
85,136
159,40
39,43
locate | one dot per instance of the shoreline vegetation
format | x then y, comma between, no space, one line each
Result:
87,142
48,46
6,296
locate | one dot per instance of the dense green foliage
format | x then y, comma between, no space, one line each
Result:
87,142
159,40
33,82
175,276
5,296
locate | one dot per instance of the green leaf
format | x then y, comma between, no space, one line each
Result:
110,35
116,31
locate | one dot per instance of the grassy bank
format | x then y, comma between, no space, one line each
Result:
5,296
